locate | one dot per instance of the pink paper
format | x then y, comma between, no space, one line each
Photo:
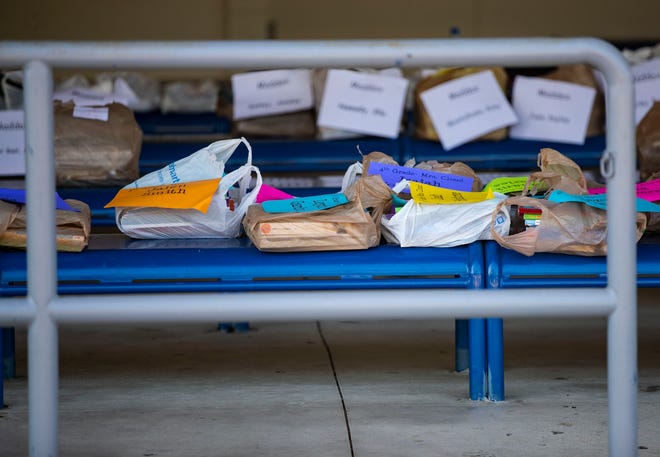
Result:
270,193
649,190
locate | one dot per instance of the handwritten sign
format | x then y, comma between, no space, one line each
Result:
466,108
646,80
392,174
267,193
182,195
507,185
305,204
599,201
12,143
423,193
20,196
649,190
366,103
263,93
551,110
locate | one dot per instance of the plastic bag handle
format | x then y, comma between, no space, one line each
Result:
236,176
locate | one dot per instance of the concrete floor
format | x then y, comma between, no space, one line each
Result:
333,389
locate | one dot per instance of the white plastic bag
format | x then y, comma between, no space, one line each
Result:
443,225
219,221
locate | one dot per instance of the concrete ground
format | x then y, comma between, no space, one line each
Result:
367,389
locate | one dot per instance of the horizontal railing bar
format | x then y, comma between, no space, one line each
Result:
330,305
287,53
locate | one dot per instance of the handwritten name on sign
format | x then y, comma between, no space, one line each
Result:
305,204
423,193
392,174
551,110
466,108
12,143
184,195
371,104
263,93
599,201
646,79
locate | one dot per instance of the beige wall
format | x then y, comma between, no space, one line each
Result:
301,19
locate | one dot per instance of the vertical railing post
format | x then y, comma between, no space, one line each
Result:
41,259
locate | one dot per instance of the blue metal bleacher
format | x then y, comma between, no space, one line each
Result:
113,263
506,268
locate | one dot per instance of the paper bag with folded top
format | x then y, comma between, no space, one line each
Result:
343,227
72,227
352,223
96,152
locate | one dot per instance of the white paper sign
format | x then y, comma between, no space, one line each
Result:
646,78
12,143
551,110
263,93
98,113
466,108
366,103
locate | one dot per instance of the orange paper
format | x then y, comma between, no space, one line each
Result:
183,195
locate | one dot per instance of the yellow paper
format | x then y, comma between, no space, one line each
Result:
424,193
507,185
183,195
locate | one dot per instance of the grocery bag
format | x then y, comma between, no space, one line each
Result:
236,191
648,142
567,228
442,225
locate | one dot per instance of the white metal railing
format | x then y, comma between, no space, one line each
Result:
42,309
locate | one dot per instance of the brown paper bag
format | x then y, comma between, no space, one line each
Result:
557,172
343,227
566,228
72,227
424,127
94,152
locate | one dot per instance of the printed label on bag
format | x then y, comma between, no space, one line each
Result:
392,174
423,193
184,195
305,204
599,201
97,113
